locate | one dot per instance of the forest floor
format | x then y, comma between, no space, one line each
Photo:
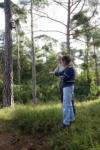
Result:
37,128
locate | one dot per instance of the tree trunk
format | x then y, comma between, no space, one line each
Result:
8,73
96,65
18,58
68,29
33,58
87,61
0,71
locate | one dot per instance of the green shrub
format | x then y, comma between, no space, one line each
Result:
23,93
1,88
83,89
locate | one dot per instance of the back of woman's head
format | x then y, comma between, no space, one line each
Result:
67,59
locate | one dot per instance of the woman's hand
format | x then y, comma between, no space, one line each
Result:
51,73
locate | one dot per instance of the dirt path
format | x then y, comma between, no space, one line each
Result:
14,141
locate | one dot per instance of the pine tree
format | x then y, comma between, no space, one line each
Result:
8,73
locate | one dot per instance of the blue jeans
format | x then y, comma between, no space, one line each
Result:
61,91
68,114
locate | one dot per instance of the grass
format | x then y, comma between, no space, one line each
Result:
44,119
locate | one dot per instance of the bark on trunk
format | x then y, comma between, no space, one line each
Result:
0,71
87,60
33,58
18,58
8,73
68,29
96,65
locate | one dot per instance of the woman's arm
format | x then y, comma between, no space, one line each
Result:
57,73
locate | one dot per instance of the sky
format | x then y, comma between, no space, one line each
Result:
46,24
42,24
56,12
2,24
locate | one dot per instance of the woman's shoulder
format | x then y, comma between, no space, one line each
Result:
70,68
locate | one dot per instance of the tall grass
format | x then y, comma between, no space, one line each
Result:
84,134
40,118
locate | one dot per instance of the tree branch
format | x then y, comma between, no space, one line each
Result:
43,16
93,14
59,3
86,30
80,40
87,20
50,31
41,12
74,3
82,6
75,6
